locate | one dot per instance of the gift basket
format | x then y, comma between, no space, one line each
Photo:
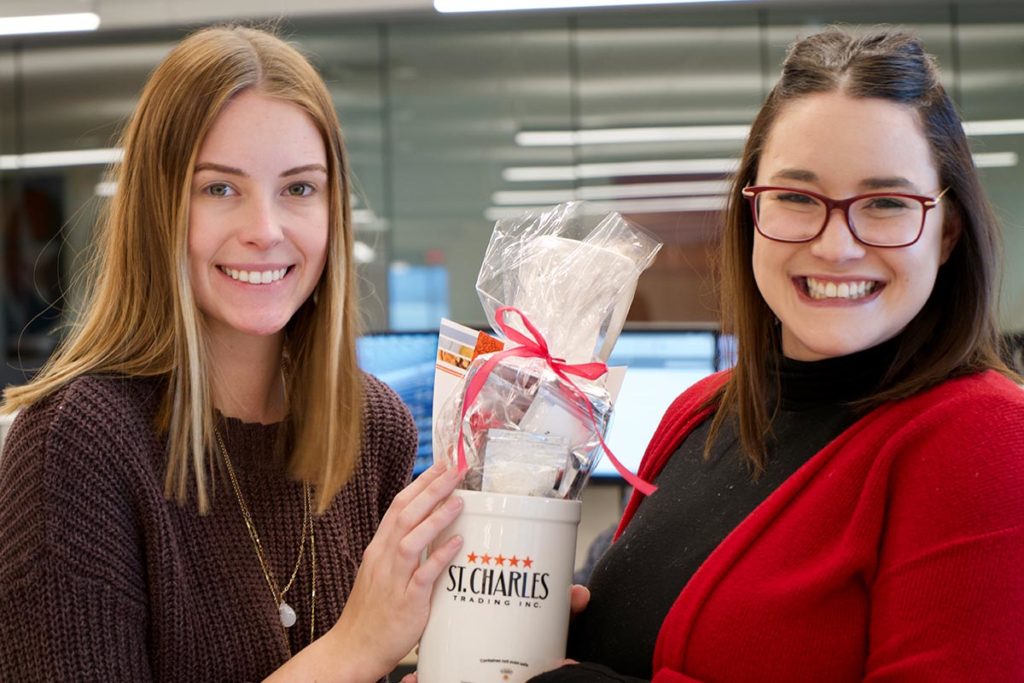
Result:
530,420
527,425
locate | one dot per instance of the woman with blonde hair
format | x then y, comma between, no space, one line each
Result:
197,474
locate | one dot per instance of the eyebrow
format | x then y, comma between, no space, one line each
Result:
231,170
878,183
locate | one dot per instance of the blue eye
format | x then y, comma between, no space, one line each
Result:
219,190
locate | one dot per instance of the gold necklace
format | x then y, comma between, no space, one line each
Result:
284,610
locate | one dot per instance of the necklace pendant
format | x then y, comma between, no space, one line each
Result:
287,614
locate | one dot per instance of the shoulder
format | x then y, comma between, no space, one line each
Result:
73,463
90,412
954,454
981,409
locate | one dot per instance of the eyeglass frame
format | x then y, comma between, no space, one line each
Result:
751,192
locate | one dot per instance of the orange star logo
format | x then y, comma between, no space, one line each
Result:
471,558
485,558
527,563
500,559
513,561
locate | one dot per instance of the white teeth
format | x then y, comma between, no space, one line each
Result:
818,289
255,277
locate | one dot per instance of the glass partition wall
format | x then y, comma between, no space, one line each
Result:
455,122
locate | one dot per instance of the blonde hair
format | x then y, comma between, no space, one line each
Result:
141,319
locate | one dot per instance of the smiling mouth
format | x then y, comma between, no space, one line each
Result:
851,290
255,277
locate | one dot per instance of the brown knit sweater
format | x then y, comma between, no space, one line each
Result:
103,579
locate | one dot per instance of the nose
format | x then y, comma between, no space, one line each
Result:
261,226
836,242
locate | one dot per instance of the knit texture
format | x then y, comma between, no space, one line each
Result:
893,555
110,581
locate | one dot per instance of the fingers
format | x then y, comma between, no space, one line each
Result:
426,532
419,484
578,599
423,579
417,509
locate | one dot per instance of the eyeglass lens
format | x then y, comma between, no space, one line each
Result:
794,216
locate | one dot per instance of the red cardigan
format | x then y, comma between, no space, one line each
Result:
896,553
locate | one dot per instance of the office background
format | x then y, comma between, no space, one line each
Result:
453,121
438,112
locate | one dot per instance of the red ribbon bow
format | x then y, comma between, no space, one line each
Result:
536,346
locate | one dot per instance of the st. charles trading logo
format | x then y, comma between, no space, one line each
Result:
498,580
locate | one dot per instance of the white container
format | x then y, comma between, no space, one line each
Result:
500,611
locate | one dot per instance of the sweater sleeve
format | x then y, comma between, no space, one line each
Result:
71,575
948,596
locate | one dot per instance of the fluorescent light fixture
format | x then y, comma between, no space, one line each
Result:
105,188
997,127
725,133
75,157
516,174
600,192
995,159
49,23
363,252
614,136
666,205
498,5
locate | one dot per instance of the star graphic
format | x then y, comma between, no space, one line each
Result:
513,561
500,559
485,558
527,563
471,558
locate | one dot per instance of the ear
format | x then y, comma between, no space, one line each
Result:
952,226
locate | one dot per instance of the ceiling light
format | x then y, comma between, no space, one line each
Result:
49,23
598,192
612,136
496,5
725,133
105,188
75,157
995,159
619,169
997,127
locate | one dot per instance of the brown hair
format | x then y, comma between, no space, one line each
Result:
956,332
141,319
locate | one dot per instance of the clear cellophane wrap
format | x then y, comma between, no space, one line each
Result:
527,431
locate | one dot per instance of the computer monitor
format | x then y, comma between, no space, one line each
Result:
662,364
405,362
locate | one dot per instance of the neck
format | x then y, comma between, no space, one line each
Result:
247,379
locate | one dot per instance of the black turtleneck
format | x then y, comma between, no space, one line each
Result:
698,503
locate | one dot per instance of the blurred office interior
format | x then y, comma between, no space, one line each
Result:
455,120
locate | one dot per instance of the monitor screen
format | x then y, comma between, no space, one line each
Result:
405,362
662,364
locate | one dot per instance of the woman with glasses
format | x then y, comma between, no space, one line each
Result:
847,503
